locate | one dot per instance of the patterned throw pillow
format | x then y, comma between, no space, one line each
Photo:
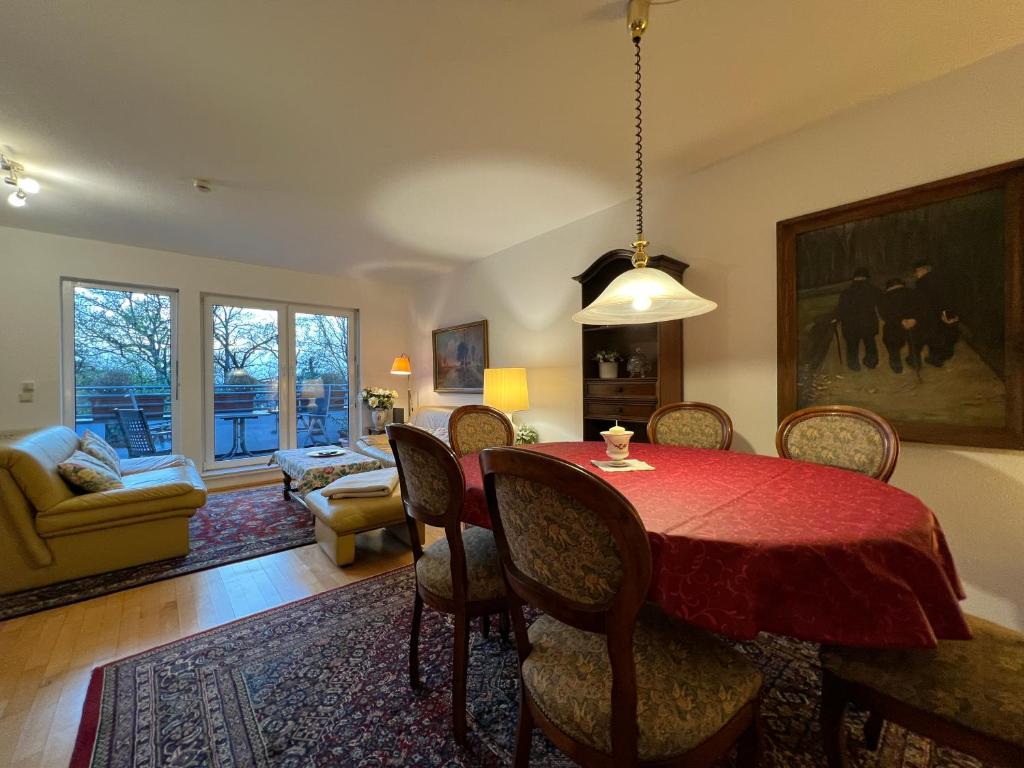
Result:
91,475
100,449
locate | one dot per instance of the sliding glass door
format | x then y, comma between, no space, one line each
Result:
277,376
119,365
323,362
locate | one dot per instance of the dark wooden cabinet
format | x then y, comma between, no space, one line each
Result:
631,401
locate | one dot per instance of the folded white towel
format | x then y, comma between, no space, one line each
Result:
364,485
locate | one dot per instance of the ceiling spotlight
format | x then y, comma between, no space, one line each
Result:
23,185
201,185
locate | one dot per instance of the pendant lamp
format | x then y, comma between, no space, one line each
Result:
642,294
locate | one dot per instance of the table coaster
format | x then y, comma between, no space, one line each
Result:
629,465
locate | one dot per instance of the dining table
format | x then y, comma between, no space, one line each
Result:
743,543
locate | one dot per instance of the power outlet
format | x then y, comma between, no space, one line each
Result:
26,397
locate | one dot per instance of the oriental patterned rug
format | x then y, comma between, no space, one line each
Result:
324,682
233,526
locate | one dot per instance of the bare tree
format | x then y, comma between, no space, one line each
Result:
243,340
126,330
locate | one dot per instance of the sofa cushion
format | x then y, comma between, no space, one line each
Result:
88,473
98,448
689,683
32,461
149,463
145,495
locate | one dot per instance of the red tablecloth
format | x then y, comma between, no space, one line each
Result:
744,543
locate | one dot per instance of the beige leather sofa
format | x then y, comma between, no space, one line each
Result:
433,418
51,533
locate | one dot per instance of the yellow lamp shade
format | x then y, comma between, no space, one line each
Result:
505,389
401,366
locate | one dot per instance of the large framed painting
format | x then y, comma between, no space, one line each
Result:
910,304
460,356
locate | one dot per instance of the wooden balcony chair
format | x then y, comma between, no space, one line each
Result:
840,436
313,420
458,574
609,680
965,694
475,427
694,425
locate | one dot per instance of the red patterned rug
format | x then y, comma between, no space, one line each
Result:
233,526
324,682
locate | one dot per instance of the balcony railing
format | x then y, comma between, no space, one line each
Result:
247,410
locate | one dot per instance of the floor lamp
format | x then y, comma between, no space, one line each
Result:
402,366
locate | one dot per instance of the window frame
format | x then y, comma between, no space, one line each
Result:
67,343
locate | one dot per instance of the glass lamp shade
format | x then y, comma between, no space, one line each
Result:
401,366
505,389
643,295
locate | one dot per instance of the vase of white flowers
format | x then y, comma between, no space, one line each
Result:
526,435
380,402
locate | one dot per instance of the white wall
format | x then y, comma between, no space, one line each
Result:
722,222
33,264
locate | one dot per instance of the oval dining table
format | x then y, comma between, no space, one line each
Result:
743,544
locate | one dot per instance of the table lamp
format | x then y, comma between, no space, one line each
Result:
402,366
505,389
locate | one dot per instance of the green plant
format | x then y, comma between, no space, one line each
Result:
526,435
607,356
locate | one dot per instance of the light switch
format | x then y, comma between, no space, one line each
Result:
28,386
25,397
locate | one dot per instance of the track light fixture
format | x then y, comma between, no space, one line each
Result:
14,175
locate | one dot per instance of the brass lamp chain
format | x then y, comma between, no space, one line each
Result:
639,254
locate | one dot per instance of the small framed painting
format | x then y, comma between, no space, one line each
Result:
460,356
910,305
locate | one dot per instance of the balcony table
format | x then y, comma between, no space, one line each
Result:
742,544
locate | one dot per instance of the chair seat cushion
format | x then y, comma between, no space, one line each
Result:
689,683
976,683
434,570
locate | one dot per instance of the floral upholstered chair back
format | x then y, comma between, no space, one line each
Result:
694,425
475,427
430,476
569,543
840,436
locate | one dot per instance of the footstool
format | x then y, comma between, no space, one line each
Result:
339,520
309,472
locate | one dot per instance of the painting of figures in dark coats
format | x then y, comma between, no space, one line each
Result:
905,313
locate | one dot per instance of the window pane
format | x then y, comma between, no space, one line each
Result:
245,382
322,379
122,365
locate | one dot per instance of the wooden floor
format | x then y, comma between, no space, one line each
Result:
46,658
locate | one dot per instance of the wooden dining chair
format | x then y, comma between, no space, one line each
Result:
609,680
459,574
475,427
965,694
840,436
694,425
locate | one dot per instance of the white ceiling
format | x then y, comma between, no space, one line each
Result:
398,137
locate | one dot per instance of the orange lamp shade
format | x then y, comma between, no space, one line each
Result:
401,366
505,389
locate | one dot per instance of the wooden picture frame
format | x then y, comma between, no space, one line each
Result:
460,357
970,228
